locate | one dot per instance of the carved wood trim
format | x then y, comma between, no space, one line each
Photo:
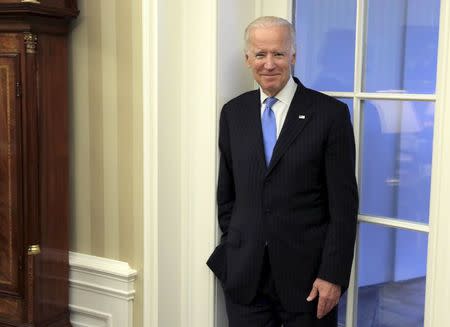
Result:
30,42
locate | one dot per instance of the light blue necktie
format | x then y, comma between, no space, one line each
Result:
269,128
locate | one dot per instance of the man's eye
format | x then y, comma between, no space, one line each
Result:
259,55
279,54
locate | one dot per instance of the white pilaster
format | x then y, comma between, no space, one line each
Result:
438,268
150,103
198,110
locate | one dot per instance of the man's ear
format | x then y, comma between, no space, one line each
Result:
246,60
294,57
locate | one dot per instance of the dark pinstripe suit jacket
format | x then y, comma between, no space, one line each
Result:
303,205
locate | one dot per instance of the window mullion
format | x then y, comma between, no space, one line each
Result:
358,77
352,297
383,96
397,96
397,223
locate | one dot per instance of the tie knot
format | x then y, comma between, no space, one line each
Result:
270,102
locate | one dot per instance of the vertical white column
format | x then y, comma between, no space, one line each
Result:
198,77
150,160
438,268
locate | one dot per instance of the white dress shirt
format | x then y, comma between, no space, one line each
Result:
281,107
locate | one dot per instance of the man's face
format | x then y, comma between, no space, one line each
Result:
270,57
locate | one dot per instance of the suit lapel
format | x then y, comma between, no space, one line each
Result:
299,114
254,124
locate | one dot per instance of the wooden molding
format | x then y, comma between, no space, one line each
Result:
25,8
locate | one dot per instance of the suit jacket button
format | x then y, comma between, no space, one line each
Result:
267,211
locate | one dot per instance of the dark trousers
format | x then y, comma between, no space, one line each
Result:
266,311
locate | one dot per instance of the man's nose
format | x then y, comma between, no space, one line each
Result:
269,64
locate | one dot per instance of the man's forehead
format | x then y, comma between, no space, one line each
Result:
269,44
278,34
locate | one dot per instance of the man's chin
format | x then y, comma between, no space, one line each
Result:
270,89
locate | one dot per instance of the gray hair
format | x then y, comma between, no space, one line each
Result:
270,21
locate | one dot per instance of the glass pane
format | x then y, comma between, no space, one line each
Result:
391,278
325,43
396,151
342,310
402,41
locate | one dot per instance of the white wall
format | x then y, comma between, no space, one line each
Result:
193,62
233,79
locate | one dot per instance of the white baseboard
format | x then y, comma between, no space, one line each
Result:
101,292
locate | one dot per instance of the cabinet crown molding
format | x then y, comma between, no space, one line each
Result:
46,8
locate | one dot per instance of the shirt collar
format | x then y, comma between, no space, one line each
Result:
285,95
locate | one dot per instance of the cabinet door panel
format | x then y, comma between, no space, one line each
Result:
11,240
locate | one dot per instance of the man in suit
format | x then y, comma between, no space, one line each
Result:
287,194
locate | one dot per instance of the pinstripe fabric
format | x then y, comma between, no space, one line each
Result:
304,205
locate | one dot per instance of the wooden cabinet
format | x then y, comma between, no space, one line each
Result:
34,197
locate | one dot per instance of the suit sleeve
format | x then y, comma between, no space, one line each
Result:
337,254
225,184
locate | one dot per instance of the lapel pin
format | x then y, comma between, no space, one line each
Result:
301,117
